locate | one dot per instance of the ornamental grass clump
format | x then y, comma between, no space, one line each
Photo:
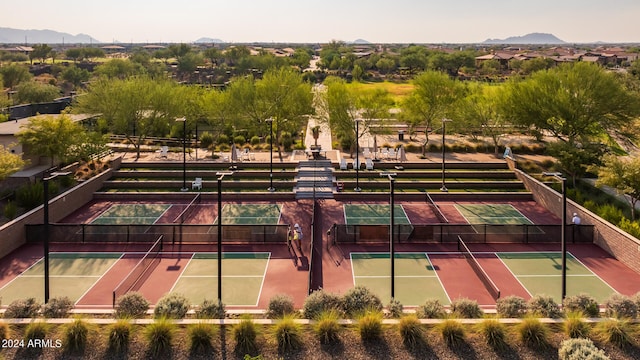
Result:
159,336
200,336
616,332
36,330
288,334
245,334
370,325
327,327
452,332
494,333
575,326
410,330
75,336
118,335
533,333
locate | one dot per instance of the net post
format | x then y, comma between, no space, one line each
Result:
84,229
113,294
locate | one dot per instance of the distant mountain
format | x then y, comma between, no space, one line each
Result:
533,38
18,36
361,42
206,40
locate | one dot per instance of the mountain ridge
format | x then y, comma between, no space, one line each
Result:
44,36
531,38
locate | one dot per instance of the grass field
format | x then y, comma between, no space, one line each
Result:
397,91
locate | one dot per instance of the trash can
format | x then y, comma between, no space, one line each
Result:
400,135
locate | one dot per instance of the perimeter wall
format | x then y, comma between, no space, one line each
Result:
616,242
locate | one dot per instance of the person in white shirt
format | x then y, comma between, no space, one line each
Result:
576,219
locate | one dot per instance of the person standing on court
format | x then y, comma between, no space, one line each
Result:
297,235
576,219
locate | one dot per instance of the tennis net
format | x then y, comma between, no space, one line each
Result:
140,272
436,209
475,265
181,218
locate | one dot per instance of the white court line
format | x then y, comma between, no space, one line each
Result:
101,276
514,275
183,270
446,293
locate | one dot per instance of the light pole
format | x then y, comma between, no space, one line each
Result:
444,130
45,181
183,120
563,227
271,188
220,175
357,164
392,181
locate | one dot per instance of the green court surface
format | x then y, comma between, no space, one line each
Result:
70,274
242,278
120,214
541,273
373,214
415,279
500,214
250,214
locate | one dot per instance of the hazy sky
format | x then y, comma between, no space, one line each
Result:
402,21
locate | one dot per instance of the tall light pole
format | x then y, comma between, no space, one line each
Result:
184,153
563,227
357,164
444,130
271,188
220,175
45,181
391,176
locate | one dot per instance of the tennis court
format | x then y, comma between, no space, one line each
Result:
122,214
502,214
251,214
541,273
242,277
415,277
70,274
373,214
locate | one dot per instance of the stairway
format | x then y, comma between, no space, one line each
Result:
314,177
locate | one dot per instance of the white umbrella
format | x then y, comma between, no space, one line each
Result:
402,155
375,147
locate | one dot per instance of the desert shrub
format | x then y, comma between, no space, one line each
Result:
36,330
75,335
255,140
452,332
533,332
171,306
239,139
30,196
206,140
22,308
5,331
583,303
10,210
200,336
466,308
279,306
511,307
210,309
580,349
620,306
66,181
630,227
327,326
245,334
545,306
318,302
223,139
610,212
616,332
57,307
370,325
431,309
118,335
574,326
359,299
410,330
494,333
288,334
159,336
131,305
394,309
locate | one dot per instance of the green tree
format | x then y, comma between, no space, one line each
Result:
34,92
576,159
40,51
75,75
357,73
431,100
478,112
9,162
214,55
624,176
74,54
136,107
118,68
14,74
301,58
55,137
386,65
414,57
574,102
